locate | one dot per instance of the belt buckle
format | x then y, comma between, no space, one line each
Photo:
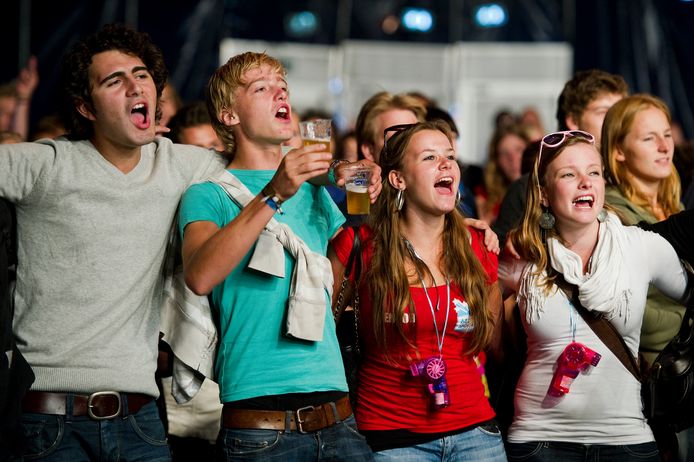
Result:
299,422
90,405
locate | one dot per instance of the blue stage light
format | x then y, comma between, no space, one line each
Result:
417,20
301,24
490,15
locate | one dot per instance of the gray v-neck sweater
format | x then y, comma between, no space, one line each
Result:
91,251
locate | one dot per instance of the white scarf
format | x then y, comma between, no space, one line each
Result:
311,283
604,289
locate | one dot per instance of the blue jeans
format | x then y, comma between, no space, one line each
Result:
341,441
478,444
551,451
135,437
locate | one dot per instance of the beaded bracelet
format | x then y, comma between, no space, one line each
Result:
331,170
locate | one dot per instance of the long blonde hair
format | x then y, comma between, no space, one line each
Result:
387,278
529,239
618,123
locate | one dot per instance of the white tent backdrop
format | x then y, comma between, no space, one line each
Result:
473,81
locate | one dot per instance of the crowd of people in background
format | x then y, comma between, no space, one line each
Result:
125,167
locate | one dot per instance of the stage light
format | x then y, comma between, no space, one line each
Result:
301,24
417,20
490,15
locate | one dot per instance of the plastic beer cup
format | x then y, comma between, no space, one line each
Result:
357,186
315,132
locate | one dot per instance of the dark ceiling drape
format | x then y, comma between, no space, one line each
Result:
647,41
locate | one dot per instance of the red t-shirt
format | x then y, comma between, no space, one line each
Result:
389,397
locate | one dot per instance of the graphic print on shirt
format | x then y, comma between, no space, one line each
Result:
462,311
407,318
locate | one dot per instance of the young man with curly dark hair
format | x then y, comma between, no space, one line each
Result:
94,213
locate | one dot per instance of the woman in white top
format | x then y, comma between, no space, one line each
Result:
596,414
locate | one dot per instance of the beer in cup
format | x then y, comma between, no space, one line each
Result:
316,131
357,186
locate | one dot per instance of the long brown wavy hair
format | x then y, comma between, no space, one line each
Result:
387,278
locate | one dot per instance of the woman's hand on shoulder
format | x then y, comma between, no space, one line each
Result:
491,240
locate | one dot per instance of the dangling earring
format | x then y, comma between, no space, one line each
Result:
602,216
399,200
547,220
458,198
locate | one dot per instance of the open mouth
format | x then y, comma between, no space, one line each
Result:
444,185
140,116
584,202
283,113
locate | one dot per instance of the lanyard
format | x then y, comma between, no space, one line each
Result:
439,337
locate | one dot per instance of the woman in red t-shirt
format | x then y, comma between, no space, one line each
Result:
426,297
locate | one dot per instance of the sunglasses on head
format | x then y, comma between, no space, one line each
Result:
394,129
552,140
556,139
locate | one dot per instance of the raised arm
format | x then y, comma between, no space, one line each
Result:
210,253
27,81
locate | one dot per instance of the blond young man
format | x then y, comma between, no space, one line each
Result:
284,398
381,111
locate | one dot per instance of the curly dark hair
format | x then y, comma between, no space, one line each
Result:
583,88
75,86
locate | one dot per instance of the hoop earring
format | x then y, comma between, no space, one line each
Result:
399,200
547,220
602,216
458,197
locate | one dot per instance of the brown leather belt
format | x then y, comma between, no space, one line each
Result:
305,420
99,406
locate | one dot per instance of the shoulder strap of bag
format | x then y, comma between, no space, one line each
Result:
353,268
603,328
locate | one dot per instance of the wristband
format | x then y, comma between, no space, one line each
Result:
272,199
331,170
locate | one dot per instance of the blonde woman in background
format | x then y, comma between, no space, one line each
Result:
643,185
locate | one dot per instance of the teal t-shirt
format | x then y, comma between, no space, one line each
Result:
254,357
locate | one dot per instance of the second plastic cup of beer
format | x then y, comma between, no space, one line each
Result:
357,186
316,131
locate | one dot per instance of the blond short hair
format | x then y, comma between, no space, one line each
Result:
221,89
